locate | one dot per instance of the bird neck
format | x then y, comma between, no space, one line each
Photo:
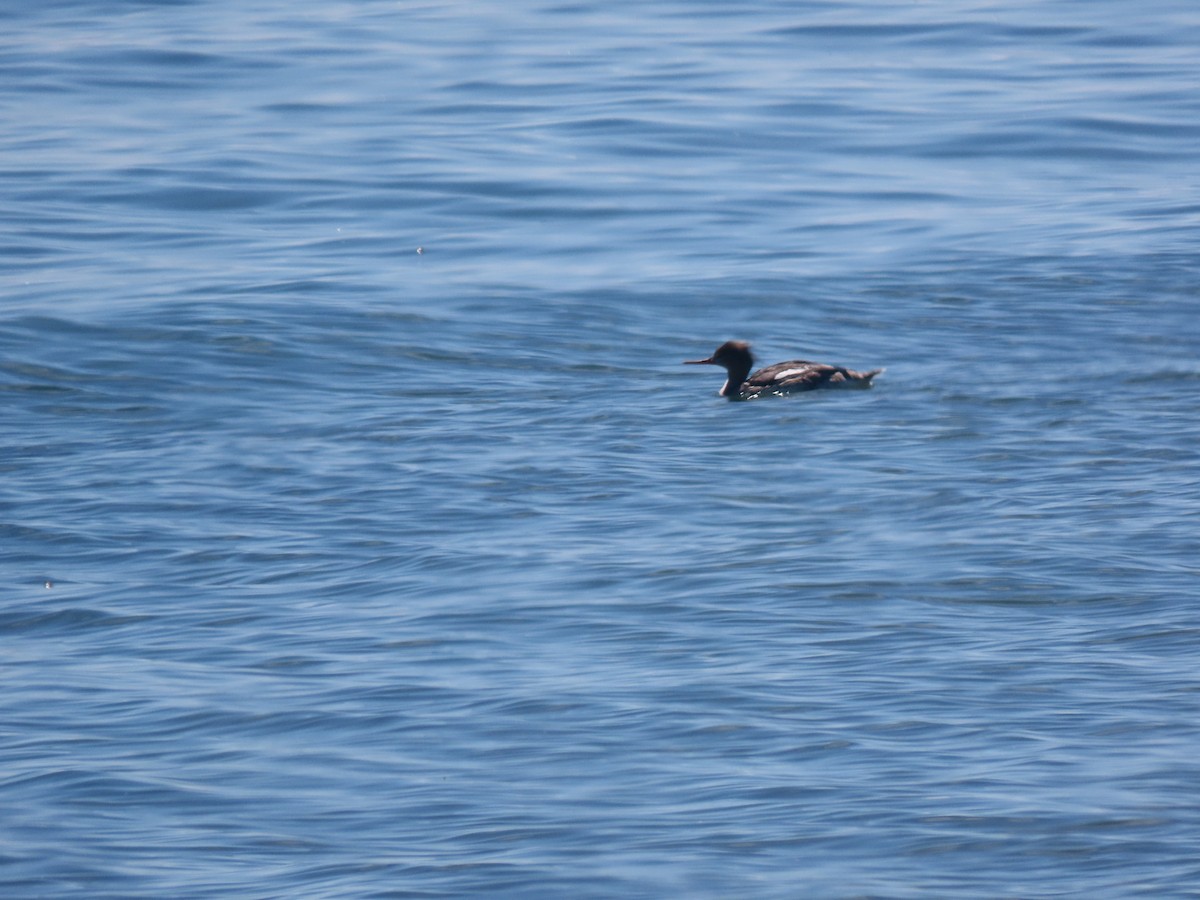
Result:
733,387
738,373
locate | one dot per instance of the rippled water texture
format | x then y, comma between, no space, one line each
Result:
362,536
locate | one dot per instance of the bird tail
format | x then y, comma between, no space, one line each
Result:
863,379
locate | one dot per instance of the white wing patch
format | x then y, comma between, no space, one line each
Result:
788,373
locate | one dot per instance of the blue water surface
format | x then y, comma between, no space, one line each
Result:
362,536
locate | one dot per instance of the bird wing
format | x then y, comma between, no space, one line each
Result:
797,375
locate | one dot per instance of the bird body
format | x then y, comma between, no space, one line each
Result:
789,377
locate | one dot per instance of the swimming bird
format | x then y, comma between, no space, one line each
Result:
782,378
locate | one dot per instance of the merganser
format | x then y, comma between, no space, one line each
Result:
782,378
